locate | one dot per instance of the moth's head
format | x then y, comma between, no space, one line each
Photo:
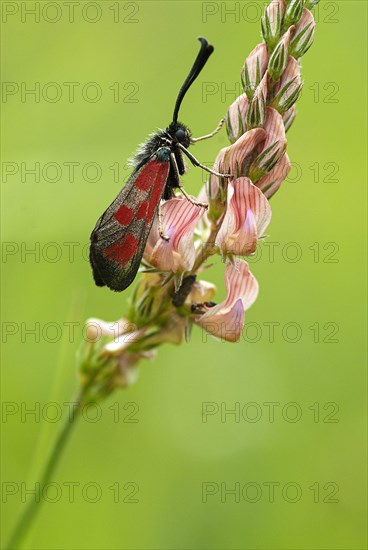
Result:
179,133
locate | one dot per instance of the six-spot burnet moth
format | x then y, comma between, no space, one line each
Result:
120,235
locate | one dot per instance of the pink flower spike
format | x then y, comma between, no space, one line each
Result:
226,320
247,216
179,218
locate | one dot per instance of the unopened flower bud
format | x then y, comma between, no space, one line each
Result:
270,183
303,35
293,13
272,23
236,118
254,69
99,359
257,109
273,147
279,57
288,88
310,4
216,194
127,371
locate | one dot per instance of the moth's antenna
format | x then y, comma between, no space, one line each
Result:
199,63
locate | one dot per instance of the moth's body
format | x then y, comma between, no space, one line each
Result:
170,138
120,235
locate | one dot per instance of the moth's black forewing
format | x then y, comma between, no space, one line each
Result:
105,233
109,233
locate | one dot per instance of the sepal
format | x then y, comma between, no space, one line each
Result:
279,56
303,36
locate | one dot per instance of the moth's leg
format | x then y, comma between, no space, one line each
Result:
179,185
160,228
180,162
218,128
175,172
189,198
196,162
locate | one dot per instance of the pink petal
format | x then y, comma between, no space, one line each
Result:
95,328
226,325
234,159
226,320
257,111
290,84
235,156
274,128
286,38
118,345
270,183
247,216
163,254
236,124
273,148
179,218
292,72
247,236
304,34
254,68
240,283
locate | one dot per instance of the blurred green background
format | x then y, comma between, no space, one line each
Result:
312,451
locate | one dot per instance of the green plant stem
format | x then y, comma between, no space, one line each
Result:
25,520
206,250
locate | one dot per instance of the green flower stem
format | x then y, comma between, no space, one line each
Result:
24,522
206,250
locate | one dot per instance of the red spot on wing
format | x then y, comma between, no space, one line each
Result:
150,173
142,210
124,215
123,251
157,189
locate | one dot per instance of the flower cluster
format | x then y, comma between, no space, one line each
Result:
169,298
